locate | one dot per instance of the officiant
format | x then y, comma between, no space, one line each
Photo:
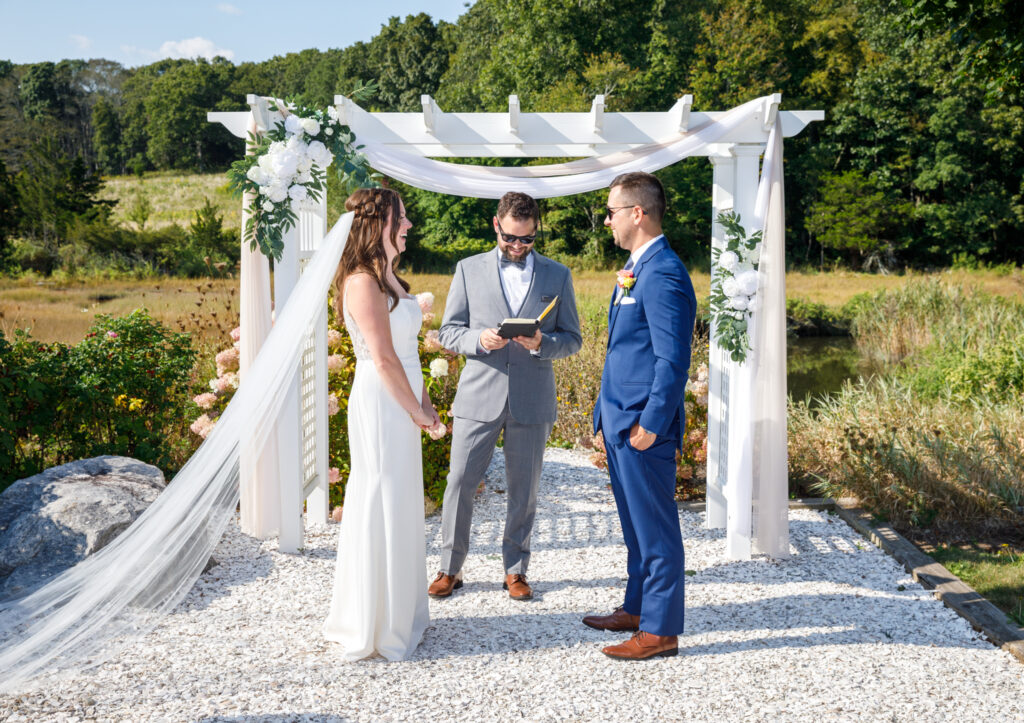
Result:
507,385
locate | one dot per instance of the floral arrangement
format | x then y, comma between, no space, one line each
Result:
285,169
734,283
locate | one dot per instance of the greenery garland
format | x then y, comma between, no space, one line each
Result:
734,282
286,169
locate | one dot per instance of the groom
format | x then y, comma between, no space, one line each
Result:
507,385
640,413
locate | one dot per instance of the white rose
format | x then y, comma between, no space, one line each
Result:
439,368
748,282
728,260
738,302
277,192
266,164
293,124
311,126
305,164
256,174
304,177
329,131
730,287
297,192
268,206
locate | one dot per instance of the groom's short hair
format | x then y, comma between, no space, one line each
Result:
643,190
519,206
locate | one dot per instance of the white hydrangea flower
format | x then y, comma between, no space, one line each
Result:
257,175
297,192
439,368
293,124
738,302
728,260
277,192
748,282
730,287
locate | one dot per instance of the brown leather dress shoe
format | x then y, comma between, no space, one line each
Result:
518,588
644,645
618,621
444,584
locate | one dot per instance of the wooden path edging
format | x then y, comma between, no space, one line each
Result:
983,616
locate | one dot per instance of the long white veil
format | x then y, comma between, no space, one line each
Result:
82,616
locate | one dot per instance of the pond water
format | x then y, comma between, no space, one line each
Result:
820,364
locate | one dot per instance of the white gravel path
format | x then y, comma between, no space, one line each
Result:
837,632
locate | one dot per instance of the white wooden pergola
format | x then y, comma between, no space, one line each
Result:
302,428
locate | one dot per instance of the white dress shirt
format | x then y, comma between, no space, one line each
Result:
515,282
635,257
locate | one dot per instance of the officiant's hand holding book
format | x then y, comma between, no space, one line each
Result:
511,328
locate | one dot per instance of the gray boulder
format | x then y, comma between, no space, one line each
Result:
55,519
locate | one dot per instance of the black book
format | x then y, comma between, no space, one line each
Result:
524,327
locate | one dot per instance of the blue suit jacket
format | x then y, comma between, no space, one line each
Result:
648,357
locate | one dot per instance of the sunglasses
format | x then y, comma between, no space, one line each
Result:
610,211
510,239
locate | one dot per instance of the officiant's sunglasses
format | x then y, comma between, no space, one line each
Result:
510,239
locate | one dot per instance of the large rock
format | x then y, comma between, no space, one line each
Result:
53,520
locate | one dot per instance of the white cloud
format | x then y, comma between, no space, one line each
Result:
81,41
193,48
229,9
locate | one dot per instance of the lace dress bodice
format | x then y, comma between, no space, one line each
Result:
406,319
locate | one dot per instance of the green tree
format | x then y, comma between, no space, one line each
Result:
853,216
9,211
409,56
106,138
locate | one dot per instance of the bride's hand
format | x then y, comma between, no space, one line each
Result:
435,418
422,419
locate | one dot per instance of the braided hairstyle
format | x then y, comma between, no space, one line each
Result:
364,251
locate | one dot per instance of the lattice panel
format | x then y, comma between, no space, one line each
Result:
307,408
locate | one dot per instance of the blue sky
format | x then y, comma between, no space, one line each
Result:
139,32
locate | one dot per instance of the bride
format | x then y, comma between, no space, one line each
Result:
379,604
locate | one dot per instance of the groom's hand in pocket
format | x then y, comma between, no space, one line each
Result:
640,439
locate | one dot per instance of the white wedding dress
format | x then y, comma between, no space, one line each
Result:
379,603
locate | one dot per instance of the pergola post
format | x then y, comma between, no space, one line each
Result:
286,276
722,194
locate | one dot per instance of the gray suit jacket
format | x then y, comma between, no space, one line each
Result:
476,302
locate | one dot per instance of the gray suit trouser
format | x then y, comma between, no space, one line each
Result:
472,448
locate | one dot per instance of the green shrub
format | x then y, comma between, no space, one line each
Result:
122,390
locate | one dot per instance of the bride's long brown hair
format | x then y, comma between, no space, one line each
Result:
364,250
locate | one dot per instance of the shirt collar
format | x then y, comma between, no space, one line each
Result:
639,253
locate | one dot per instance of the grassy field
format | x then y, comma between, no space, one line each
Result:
174,197
62,310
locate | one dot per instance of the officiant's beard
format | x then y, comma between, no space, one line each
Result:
506,253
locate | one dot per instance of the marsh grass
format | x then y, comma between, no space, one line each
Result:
173,198
917,462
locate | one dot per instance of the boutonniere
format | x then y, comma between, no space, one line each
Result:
624,280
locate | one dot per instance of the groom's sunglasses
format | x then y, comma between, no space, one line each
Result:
510,239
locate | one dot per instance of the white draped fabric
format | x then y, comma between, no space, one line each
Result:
562,179
757,487
80,617
259,516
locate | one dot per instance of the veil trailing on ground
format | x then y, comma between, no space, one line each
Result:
79,618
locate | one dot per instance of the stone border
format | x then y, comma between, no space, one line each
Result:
983,616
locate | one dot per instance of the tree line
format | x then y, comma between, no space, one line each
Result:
919,163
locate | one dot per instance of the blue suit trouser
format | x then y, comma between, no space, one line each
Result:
644,485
